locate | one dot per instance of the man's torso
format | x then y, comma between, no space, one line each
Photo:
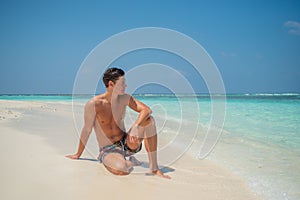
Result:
109,121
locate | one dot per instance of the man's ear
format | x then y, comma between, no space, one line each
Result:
110,83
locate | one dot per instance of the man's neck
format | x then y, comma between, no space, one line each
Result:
110,96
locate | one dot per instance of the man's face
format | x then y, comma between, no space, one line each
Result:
120,86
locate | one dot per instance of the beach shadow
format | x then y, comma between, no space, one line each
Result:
167,169
89,159
164,169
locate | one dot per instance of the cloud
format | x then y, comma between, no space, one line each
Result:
293,27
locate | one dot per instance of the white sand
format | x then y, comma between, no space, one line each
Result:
35,137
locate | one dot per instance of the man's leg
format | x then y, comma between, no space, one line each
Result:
116,164
150,141
147,131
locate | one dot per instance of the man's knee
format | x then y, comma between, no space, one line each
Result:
149,121
116,164
118,168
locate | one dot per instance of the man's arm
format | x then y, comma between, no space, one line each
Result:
143,110
89,120
144,113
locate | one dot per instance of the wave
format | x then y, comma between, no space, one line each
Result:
273,94
69,97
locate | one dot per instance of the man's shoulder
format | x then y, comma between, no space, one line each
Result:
100,97
96,100
125,97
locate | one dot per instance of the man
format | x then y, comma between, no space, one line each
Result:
105,113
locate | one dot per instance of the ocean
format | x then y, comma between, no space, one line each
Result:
260,139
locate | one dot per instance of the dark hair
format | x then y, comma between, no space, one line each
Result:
112,74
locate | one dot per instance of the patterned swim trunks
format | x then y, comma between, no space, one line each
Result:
118,147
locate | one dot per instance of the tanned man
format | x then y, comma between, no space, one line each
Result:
105,114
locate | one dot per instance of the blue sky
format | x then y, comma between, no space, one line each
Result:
255,44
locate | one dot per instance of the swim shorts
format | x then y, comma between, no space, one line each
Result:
118,147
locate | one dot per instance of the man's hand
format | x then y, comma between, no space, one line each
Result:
75,156
134,134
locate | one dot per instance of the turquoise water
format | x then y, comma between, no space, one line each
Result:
269,118
261,140
272,118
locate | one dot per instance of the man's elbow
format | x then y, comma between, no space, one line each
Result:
148,111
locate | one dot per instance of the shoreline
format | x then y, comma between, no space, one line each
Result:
36,136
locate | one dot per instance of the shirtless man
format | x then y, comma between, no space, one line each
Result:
105,113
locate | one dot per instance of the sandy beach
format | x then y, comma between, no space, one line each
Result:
36,136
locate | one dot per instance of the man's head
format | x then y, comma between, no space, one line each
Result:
112,74
114,77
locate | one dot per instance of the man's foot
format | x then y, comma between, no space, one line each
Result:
74,157
135,161
159,173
